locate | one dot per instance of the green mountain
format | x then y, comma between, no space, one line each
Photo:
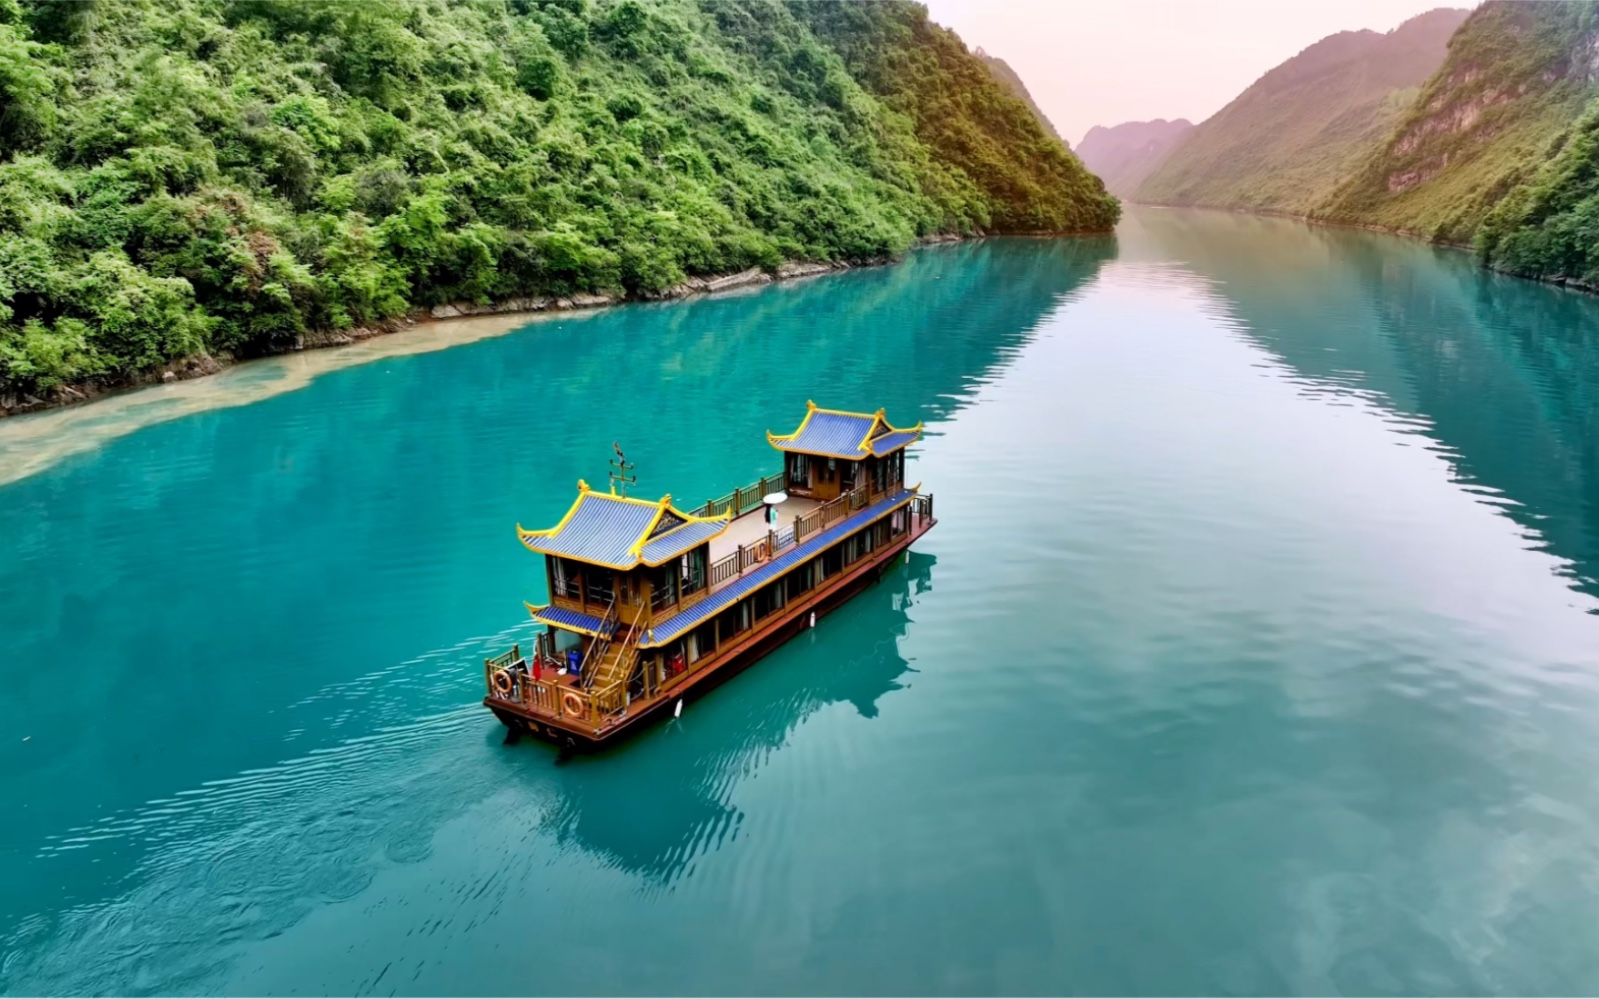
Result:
1289,140
997,165
1123,155
1013,84
199,176
1502,105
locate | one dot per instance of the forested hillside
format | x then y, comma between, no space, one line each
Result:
1518,75
1123,155
197,176
1012,82
1289,140
1548,227
1020,178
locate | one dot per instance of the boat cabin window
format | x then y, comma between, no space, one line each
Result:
799,470
732,621
674,660
769,599
846,480
600,585
692,570
858,546
896,523
663,585
798,582
832,562
702,641
564,579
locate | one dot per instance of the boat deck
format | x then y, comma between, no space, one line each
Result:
751,528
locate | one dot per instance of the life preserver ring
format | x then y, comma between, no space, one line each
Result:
502,682
571,704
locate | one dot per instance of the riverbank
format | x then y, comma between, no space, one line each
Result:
33,441
1312,220
205,365
1567,283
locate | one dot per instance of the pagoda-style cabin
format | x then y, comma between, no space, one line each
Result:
648,602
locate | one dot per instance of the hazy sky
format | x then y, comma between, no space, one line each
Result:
1103,63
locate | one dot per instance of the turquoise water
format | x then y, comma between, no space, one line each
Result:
1256,651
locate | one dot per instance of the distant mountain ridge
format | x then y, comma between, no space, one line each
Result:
1290,139
1008,79
1123,155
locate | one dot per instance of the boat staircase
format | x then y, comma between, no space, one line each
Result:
613,662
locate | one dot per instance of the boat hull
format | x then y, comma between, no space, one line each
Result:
787,624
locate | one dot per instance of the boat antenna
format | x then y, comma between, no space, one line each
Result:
620,466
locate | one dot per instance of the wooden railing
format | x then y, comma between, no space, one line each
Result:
750,556
725,568
830,513
742,501
492,666
607,700
627,655
921,507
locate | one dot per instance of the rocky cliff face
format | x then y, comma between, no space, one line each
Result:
1123,155
1517,74
1289,140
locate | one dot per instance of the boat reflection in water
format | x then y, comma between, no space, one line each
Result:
653,805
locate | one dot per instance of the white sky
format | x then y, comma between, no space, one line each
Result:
1103,63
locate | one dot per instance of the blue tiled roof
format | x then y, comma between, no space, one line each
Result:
608,530
572,620
680,539
890,442
833,433
602,529
830,433
681,623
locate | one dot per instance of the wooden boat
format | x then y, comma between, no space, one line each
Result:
651,605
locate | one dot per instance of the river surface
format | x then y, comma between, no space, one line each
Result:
1256,650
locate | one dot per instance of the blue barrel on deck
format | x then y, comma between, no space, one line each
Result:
573,661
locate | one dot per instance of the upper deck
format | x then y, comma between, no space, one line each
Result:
753,528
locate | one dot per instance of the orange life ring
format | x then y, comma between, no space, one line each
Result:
571,704
502,682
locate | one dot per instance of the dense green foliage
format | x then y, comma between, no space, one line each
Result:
1549,226
1008,78
993,160
193,176
1293,136
1517,75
